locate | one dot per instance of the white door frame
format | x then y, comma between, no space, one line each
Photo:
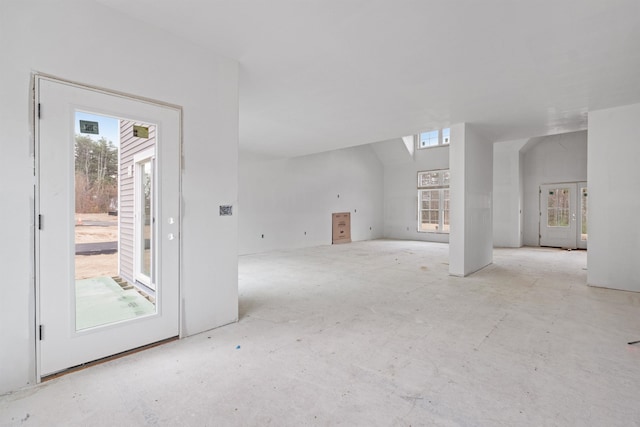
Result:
40,225
570,237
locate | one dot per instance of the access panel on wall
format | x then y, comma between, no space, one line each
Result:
341,227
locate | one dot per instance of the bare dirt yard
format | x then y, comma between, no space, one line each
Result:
94,228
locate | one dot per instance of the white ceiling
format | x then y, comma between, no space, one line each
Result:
316,75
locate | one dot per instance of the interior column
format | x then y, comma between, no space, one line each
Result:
471,185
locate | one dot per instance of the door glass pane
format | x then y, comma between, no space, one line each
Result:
105,291
558,207
583,212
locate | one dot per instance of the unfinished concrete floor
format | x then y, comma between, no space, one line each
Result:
378,334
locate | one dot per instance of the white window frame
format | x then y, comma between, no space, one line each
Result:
443,140
148,155
441,187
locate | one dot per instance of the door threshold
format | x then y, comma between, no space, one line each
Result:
106,359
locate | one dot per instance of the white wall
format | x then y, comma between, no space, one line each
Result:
471,237
400,188
552,159
508,184
614,200
284,199
88,43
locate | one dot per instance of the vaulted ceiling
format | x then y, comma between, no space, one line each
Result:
316,75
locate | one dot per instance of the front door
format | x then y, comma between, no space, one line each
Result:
89,237
558,215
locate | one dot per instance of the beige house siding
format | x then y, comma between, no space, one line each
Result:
129,147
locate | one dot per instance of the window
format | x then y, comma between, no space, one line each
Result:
433,201
583,210
446,136
433,138
428,139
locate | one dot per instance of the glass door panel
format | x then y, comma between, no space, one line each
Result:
90,303
583,232
104,291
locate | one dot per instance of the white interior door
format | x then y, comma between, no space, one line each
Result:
558,216
74,312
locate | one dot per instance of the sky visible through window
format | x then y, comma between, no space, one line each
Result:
428,139
109,127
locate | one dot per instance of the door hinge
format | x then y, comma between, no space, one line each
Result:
39,222
39,110
41,332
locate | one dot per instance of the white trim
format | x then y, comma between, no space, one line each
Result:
36,207
44,76
144,155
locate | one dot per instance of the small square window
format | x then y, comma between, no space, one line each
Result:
428,139
433,138
446,136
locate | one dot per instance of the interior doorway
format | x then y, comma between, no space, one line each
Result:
564,215
107,188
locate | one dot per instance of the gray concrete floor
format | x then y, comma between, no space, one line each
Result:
377,334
